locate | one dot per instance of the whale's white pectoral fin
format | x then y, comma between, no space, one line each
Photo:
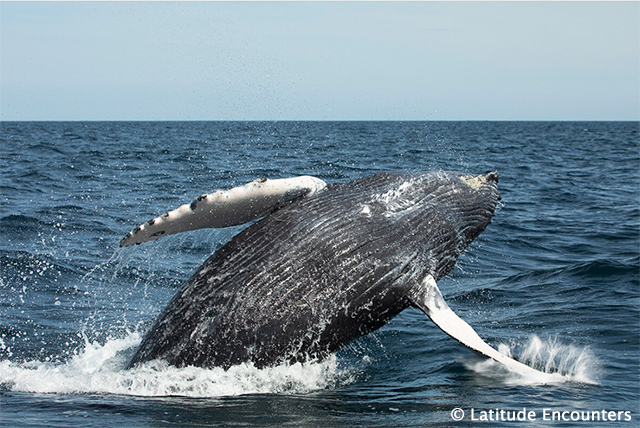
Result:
429,299
226,207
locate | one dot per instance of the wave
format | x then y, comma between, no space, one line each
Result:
23,227
26,265
40,149
21,223
599,268
100,369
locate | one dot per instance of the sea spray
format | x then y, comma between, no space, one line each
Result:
578,364
566,362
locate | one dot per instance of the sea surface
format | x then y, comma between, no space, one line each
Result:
554,280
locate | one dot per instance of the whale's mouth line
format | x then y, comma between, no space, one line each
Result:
428,298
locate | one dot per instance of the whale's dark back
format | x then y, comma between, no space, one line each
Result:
316,274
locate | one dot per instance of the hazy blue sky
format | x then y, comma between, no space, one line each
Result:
320,61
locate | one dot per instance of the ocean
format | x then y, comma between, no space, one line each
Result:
554,280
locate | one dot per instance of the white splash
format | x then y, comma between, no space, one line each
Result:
564,362
100,369
394,194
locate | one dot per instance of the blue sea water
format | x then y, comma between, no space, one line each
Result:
554,280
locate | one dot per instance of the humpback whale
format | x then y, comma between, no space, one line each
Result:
323,265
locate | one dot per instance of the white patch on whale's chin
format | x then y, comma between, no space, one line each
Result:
474,181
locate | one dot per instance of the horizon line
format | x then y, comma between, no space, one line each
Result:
319,120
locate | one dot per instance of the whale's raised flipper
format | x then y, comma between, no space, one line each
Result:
427,297
226,207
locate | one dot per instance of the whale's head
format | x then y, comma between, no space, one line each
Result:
440,213
477,204
409,197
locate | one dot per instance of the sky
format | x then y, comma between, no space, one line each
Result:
320,61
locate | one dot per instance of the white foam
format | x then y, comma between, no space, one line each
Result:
563,362
100,369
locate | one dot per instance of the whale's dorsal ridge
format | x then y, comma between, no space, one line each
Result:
225,208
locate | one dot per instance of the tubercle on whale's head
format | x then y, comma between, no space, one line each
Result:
492,176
